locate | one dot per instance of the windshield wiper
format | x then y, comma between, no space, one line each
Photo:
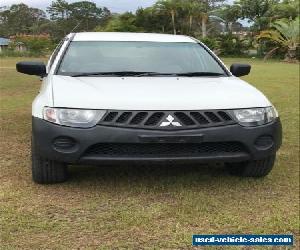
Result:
191,74
156,74
117,73
141,74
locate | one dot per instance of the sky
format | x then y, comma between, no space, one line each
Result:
113,5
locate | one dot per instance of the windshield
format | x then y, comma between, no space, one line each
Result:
90,57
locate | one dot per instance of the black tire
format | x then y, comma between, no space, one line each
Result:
258,168
46,171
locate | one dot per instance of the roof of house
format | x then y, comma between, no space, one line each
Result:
4,41
131,37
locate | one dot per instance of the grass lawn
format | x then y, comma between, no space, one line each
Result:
139,207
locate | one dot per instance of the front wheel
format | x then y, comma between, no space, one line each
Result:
46,171
257,168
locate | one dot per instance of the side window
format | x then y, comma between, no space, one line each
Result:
54,54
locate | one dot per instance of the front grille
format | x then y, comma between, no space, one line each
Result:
164,149
154,119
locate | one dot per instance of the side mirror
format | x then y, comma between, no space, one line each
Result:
32,68
240,69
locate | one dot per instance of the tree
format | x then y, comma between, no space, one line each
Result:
285,9
61,24
230,14
20,18
152,20
120,23
58,10
170,7
83,16
285,33
256,11
208,7
193,8
87,14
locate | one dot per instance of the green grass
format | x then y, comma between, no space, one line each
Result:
148,207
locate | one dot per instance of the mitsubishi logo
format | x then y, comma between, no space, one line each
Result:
170,121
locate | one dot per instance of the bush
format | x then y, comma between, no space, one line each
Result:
210,42
264,47
36,45
231,45
120,23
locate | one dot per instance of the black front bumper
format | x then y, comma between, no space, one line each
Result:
72,145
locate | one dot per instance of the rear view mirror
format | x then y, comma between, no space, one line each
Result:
240,69
32,68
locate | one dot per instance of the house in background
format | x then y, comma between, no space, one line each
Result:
4,43
10,42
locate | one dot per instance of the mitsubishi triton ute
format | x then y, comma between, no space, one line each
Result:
128,97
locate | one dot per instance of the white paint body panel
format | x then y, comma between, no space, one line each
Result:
43,99
131,37
143,93
152,93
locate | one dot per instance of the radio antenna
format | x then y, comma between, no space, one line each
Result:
77,25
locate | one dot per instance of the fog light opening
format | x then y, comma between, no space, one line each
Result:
264,142
64,143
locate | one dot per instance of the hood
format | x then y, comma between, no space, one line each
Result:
155,93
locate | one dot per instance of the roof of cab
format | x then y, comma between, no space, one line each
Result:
131,37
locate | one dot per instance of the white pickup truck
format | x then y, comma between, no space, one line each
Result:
116,97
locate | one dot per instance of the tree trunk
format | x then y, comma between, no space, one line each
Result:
191,23
173,22
203,26
230,27
291,54
270,53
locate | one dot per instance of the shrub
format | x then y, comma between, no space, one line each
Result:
210,42
120,23
36,45
231,45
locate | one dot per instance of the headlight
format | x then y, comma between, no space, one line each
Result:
81,118
255,116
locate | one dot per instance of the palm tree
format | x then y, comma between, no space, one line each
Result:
207,11
193,8
169,6
205,15
229,15
285,34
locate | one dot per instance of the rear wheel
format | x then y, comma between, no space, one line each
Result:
257,168
46,171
